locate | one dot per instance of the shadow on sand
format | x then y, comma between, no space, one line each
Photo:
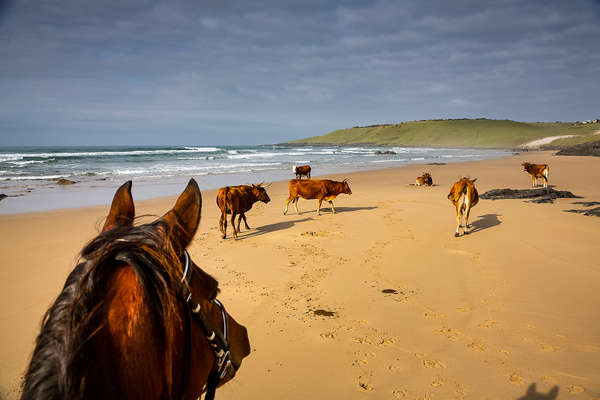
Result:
339,210
261,230
485,221
533,394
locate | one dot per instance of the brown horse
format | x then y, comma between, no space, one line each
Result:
137,319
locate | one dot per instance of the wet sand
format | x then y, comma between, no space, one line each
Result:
417,313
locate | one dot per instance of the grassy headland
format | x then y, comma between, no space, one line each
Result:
454,133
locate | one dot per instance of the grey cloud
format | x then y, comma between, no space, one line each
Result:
268,71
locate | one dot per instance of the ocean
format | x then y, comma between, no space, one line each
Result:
28,175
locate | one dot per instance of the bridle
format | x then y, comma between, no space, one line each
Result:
218,341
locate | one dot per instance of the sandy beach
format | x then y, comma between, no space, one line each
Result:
378,301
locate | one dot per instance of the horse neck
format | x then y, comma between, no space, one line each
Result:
46,376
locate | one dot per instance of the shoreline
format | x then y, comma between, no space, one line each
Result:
416,312
99,193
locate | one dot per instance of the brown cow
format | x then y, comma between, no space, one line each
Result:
302,170
464,196
537,171
424,179
237,200
321,189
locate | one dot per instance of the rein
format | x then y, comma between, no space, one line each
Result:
218,340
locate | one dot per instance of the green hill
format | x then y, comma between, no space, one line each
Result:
453,133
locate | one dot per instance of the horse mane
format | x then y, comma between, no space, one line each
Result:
62,353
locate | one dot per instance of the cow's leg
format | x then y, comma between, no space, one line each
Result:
533,181
233,224
458,212
239,222
467,226
245,222
296,205
224,217
223,224
319,206
287,203
332,207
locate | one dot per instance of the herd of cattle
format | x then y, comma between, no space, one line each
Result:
237,200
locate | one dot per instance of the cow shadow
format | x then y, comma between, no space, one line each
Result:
339,210
533,394
485,221
261,230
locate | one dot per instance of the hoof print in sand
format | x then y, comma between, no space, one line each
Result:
516,378
487,324
476,345
363,385
549,348
328,335
575,389
437,382
449,333
433,364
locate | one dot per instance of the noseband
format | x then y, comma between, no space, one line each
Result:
218,340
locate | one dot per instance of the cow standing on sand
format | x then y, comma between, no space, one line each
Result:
321,189
537,171
424,180
464,196
237,200
300,171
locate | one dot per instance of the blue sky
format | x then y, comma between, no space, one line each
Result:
139,72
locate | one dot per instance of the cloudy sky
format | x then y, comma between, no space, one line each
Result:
264,71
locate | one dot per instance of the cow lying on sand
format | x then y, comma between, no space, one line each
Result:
464,196
237,200
424,180
321,189
537,171
300,171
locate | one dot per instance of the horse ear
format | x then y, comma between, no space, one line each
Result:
183,219
122,210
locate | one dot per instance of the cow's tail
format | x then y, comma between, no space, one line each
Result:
226,199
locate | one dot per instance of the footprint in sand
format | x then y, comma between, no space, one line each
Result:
437,382
432,314
328,335
449,333
516,378
399,393
433,364
394,368
575,389
487,324
476,345
359,363
549,348
364,385
363,340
